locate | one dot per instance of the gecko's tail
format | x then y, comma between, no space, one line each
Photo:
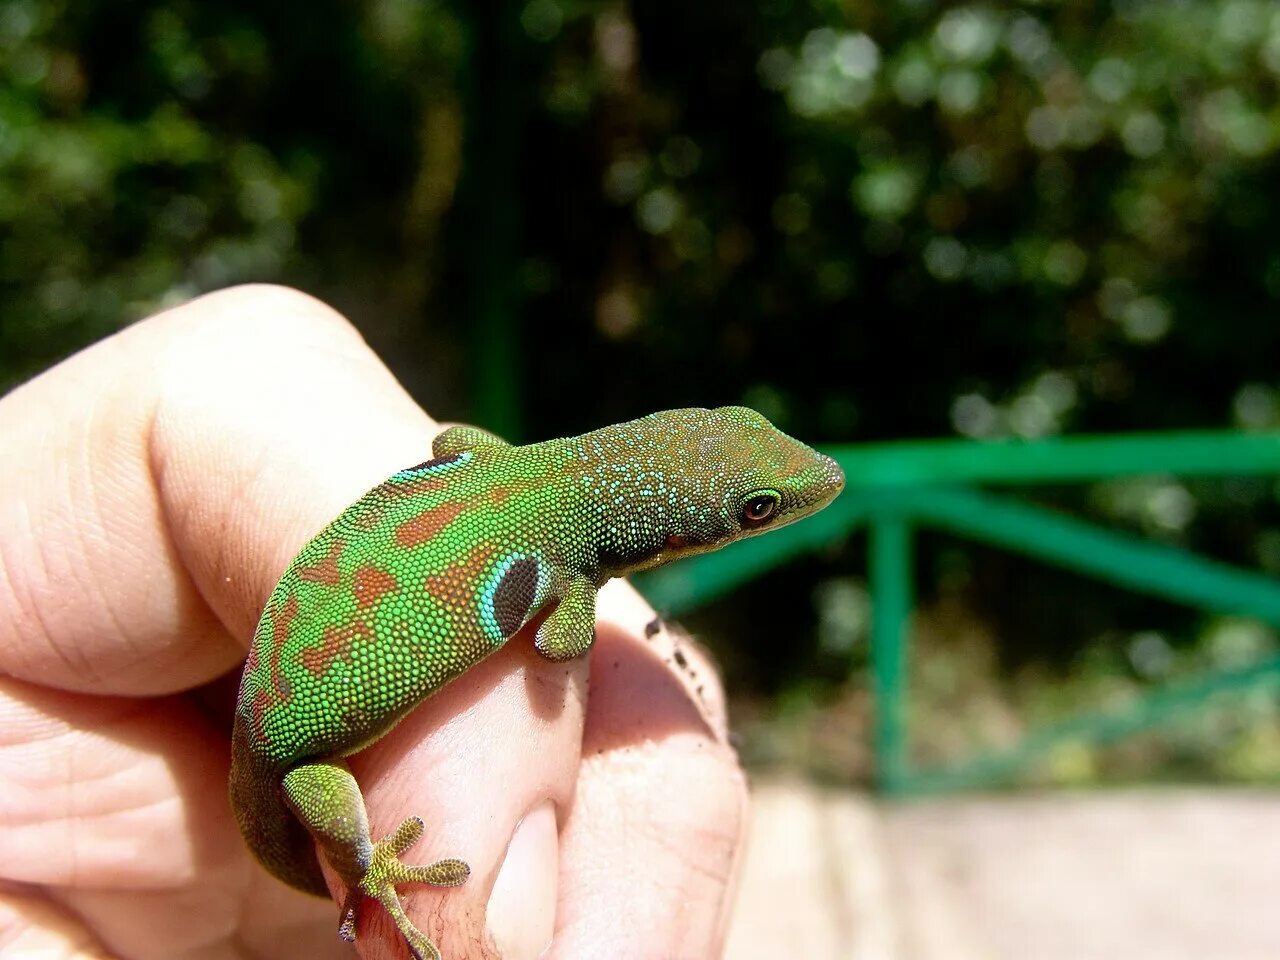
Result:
270,829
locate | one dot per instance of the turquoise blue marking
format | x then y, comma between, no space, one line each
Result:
488,622
433,469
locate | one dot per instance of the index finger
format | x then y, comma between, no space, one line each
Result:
156,485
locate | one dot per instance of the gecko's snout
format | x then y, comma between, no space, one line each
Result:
823,481
833,476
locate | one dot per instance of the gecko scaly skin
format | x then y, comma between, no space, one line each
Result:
434,569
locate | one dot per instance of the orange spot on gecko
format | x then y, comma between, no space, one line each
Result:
325,571
280,621
371,585
498,495
335,643
258,710
419,529
457,586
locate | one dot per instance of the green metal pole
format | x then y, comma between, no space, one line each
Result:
1153,568
1063,459
493,154
891,598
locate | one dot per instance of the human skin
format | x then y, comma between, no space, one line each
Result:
152,490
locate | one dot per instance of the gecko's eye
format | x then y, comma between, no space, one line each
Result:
758,508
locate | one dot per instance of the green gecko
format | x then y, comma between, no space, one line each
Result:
436,568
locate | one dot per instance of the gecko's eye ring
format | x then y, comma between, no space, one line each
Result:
759,507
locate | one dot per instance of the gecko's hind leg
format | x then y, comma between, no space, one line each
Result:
386,871
327,799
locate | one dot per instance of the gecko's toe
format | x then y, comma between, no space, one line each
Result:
386,871
347,926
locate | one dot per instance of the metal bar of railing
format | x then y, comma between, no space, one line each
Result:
890,557
898,485
1060,459
1128,561
878,472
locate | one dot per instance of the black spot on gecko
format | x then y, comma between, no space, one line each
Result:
514,595
434,462
653,628
681,660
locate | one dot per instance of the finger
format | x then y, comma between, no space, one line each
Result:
91,813
155,485
652,848
31,926
92,595
489,764
89,788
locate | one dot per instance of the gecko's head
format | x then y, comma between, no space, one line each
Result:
725,474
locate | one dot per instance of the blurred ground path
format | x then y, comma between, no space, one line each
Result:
1176,874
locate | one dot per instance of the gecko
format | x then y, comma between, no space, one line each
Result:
436,568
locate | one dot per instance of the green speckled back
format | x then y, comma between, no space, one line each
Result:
412,584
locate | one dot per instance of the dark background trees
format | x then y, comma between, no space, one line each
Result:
868,220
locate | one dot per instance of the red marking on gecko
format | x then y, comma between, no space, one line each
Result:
258,709
257,712
326,570
419,529
498,495
280,621
456,586
371,585
335,643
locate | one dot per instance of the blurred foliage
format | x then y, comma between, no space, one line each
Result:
966,702
868,220
152,151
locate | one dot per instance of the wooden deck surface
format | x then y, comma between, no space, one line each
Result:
1178,874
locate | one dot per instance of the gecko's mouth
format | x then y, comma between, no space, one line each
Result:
675,547
678,546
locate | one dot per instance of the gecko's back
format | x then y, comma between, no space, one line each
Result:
423,577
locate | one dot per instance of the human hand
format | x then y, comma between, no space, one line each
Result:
154,488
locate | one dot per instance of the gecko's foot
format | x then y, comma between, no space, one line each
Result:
385,871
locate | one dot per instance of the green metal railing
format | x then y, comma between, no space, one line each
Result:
893,489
